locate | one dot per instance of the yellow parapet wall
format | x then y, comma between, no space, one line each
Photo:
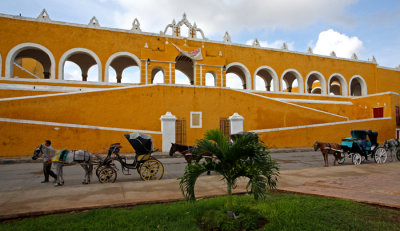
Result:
333,133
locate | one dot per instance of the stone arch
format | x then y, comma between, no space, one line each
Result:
214,75
289,76
343,84
124,63
268,74
155,70
185,65
311,77
31,50
240,70
88,63
357,86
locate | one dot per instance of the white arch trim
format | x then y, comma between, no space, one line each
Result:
343,83
321,79
245,71
271,72
67,54
298,77
364,89
20,47
116,55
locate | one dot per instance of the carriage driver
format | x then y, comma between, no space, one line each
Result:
48,153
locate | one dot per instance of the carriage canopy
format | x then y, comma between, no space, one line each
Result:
142,143
362,134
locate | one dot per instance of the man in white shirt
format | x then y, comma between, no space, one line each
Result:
48,153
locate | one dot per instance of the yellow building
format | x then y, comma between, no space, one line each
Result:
307,97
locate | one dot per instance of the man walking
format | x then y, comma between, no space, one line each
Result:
48,154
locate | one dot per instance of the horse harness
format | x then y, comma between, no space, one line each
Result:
329,148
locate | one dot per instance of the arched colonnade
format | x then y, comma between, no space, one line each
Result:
264,78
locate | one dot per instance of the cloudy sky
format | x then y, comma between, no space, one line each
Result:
365,27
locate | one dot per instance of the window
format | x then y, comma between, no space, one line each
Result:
397,116
195,120
378,112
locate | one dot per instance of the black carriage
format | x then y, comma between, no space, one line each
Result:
362,144
148,167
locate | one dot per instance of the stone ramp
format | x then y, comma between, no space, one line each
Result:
370,183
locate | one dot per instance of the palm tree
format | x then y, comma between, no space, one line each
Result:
245,157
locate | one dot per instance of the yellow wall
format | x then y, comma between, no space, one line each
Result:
141,107
305,137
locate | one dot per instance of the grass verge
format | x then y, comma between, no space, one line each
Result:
281,211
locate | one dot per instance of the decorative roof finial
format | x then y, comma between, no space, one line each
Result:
94,22
354,56
309,50
284,46
227,38
43,16
333,54
373,59
136,26
256,43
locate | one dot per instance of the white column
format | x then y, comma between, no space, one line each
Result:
168,130
236,123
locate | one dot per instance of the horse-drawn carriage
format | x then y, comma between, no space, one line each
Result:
362,143
148,167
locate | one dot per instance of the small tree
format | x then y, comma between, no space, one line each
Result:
245,157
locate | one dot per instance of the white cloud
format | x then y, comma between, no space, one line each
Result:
275,44
216,17
343,45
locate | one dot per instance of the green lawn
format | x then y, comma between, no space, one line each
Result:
282,212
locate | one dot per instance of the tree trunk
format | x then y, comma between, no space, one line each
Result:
229,203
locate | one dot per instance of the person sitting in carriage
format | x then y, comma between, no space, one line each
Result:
362,142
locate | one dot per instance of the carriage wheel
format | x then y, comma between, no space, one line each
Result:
343,156
390,155
151,170
398,155
357,158
99,169
380,155
107,175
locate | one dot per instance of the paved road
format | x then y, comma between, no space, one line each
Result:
29,175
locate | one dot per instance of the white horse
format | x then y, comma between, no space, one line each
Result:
66,157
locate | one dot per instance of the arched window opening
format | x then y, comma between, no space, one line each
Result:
92,75
236,77
131,75
290,82
31,63
85,62
126,68
335,87
181,78
184,65
358,87
72,71
112,75
157,75
210,79
314,82
264,80
234,81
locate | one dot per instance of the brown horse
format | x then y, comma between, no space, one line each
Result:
186,151
329,148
